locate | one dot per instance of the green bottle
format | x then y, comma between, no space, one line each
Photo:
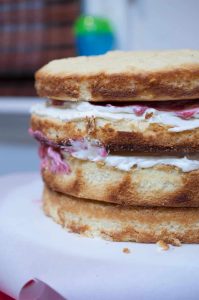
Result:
94,35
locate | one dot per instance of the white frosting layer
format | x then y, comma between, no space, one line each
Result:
78,110
125,163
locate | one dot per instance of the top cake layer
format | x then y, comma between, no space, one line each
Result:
122,76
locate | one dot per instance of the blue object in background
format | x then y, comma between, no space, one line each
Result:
94,35
94,44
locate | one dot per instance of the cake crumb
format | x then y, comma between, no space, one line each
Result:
148,115
176,242
126,250
100,163
164,246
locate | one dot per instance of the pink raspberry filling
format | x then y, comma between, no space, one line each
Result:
51,153
51,159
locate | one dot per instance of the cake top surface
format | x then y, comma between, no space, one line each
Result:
122,76
123,61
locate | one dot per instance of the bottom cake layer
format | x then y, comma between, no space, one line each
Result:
121,223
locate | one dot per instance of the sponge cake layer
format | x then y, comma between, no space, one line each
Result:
118,223
159,185
122,76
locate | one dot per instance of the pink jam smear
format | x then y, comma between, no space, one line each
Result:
184,109
51,153
187,114
51,159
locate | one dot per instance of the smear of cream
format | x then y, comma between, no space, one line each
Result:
185,119
55,158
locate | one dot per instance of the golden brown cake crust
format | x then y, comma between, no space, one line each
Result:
122,76
125,135
119,223
156,186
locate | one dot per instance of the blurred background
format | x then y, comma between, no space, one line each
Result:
34,32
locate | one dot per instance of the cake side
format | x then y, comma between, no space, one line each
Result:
160,185
116,223
119,135
122,76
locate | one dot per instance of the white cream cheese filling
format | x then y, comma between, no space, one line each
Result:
92,150
125,163
79,110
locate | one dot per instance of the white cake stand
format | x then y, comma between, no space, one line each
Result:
33,246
